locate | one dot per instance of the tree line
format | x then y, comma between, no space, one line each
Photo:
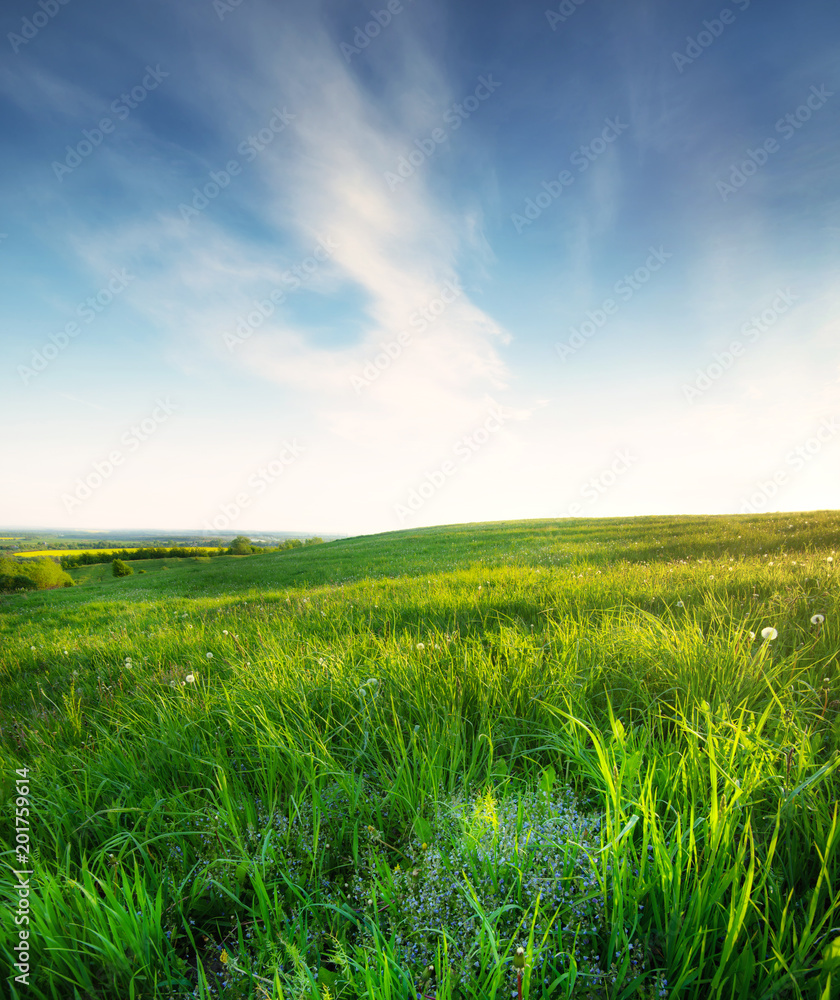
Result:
240,546
156,552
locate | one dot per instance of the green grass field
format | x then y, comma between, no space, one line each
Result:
377,767
104,572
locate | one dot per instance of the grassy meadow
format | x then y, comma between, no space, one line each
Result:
380,766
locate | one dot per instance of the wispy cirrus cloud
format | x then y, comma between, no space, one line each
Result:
323,179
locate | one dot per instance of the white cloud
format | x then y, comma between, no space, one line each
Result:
396,251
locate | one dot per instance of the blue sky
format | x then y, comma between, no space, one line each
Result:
342,268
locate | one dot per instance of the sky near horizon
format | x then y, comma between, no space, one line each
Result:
346,267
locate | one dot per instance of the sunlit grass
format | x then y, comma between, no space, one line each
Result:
379,766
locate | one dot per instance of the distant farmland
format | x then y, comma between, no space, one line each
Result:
99,552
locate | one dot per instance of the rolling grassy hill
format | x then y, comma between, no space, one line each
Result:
378,766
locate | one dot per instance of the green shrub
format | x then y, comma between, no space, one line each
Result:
241,546
9,582
42,573
121,568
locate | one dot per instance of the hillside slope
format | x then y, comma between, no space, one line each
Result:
234,757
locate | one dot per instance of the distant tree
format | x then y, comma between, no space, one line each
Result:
240,546
121,568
